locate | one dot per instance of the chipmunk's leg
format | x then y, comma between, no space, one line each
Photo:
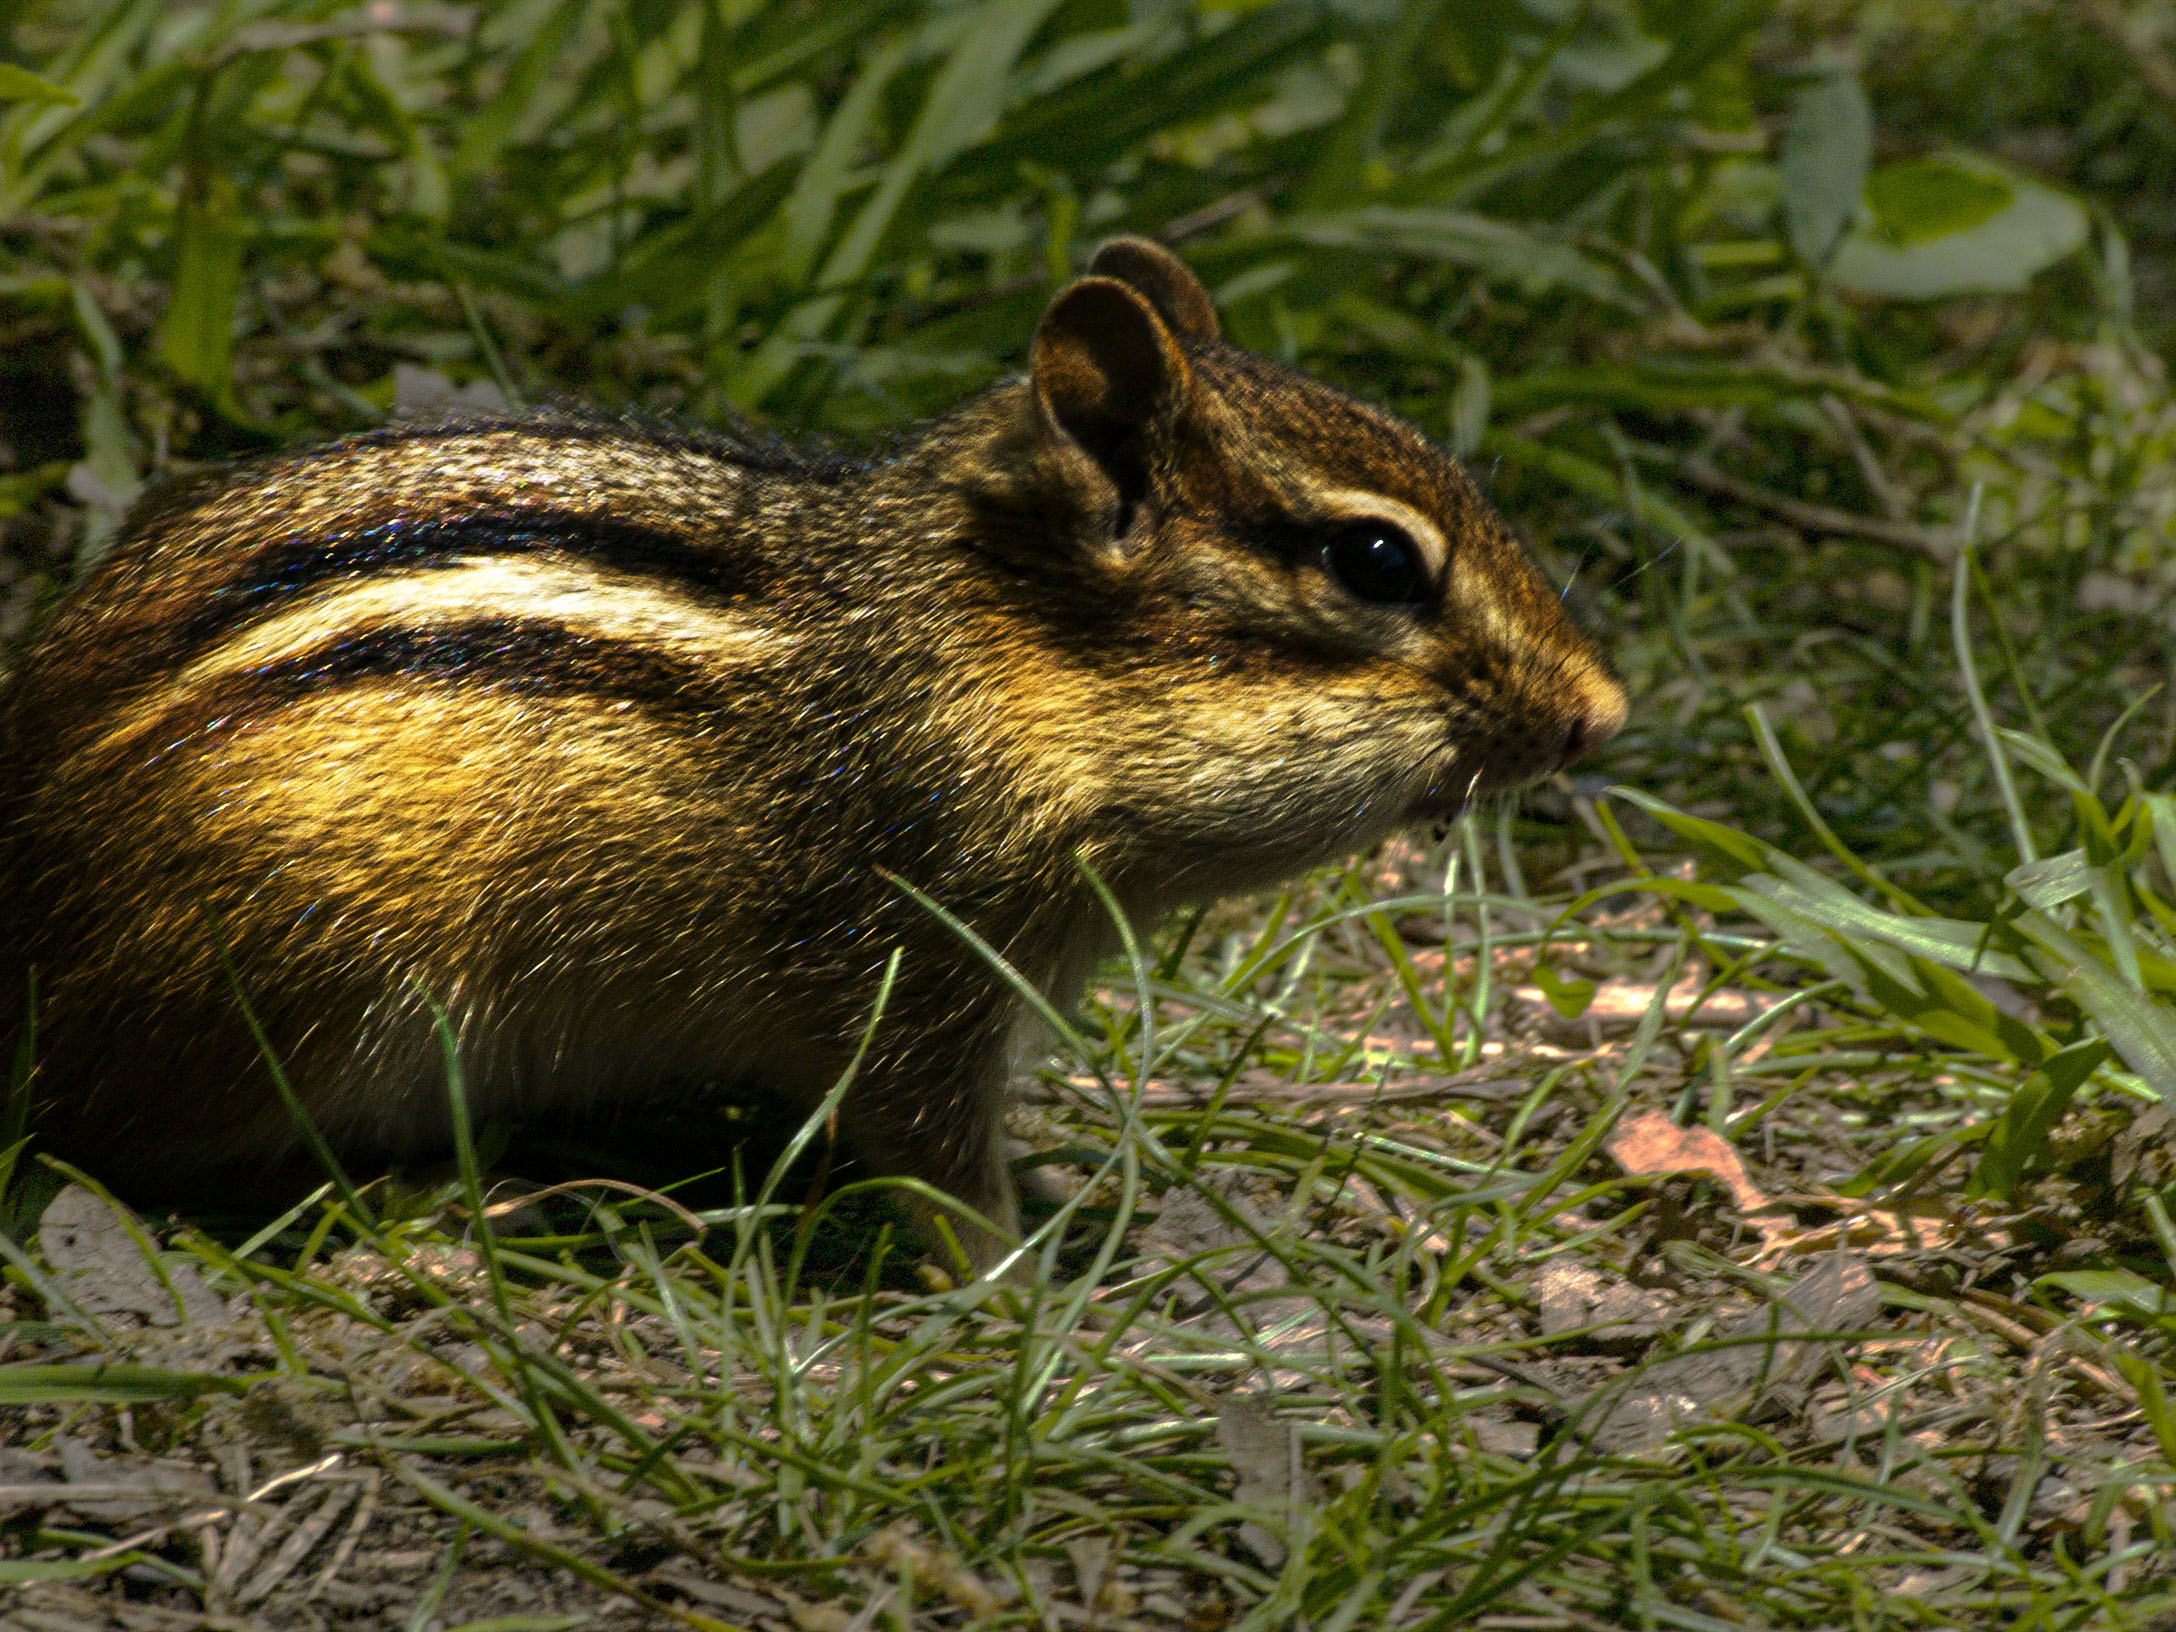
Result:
934,1110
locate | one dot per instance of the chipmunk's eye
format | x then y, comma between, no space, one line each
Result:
1377,563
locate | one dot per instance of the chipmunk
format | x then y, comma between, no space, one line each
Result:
629,751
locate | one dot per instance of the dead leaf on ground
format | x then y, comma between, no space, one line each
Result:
127,1486
1103,1595
895,1548
1503,1437
1190,1225
1574,1296
107,1268
420,392
1880,1232
1648,1144
1748,1361
1264,1451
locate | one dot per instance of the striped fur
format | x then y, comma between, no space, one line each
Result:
617,745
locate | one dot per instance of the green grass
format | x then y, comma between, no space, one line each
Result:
1342,1293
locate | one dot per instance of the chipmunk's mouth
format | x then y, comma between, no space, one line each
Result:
1508,761
1468,776
1448,794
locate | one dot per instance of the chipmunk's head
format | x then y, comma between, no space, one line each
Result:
1316,628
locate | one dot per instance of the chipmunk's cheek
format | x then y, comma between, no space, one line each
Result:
1413,756
1475,751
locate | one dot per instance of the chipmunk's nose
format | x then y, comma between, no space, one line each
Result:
1601,718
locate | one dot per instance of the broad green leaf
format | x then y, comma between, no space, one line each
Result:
1933,1000
2156,973
2161,810
813,203
1803,938
2015,1039
63,1569
1708,897
2030,750
2037,228
21,85
2153,1400
2112,916
1569,998
2140,816
2142,1029
1738,853
963,103
1826,149
2118,1286
119,1385
1958,943
1495,249
2106,842
2020,1135
1808,907
2049,883
196,340
1924,198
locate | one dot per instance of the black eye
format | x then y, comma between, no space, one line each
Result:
1377,563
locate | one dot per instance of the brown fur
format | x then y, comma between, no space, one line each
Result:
612,743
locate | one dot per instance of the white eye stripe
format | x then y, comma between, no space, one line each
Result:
1346,504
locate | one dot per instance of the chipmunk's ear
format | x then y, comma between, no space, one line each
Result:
1104,366
1168,282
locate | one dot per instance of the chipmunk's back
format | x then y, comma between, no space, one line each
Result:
316,535
486,716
